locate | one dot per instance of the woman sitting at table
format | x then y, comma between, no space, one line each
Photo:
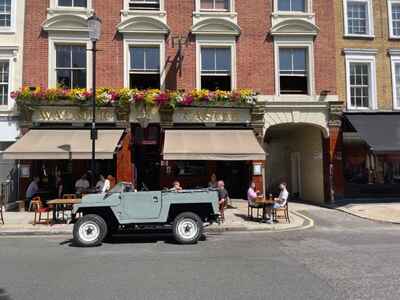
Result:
252,194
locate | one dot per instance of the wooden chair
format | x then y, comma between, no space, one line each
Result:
281,213
67,207
39,209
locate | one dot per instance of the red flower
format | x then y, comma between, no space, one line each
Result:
162,99
139,97
188,100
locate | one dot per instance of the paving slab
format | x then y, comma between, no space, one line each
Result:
381,212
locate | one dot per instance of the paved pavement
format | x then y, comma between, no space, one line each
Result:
383,212
235,220
341,257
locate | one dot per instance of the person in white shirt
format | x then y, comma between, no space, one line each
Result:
281,201
82,184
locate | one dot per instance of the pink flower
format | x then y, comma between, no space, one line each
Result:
188,100
15,94
162,99
139,97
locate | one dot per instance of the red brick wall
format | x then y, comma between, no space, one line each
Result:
324,47
255,59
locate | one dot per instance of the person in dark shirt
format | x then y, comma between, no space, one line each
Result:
223,198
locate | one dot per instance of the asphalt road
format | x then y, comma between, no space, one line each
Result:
343,257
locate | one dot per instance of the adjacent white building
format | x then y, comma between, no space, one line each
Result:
12,14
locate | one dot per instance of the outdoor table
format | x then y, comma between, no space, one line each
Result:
265,202
56,203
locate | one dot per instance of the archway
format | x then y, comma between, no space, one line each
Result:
295,155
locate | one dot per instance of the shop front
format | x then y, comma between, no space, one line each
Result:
189,144
56,142
371,153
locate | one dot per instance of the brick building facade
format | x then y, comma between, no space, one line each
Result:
283,51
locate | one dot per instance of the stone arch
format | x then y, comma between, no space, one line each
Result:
295,27
313,118
143,25
66,22
216,26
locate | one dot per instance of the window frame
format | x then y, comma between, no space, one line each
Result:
202,42
215,11
390,18
13,16
130,42
306,8
395,60
53,42
88,5
161,7
10,102
309,45
370,33
368,59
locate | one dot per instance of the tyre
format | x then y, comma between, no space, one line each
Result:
89,231
187,228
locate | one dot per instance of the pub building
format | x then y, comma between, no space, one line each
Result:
187,144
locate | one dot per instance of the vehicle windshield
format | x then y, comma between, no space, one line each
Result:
121,187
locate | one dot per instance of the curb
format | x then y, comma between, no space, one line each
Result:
349,212
307,223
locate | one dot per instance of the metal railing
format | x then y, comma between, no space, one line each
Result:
8,189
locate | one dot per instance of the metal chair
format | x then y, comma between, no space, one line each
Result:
250,207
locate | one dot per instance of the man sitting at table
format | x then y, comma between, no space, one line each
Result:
281,201
82,184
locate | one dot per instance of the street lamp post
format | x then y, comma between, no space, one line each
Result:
94,25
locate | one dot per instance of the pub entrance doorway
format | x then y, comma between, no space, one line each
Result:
236,175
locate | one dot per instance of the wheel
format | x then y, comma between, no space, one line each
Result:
187,228
89,231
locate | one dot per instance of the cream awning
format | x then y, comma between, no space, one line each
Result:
63,144
212,145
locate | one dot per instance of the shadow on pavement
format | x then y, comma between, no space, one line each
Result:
4,295
134,238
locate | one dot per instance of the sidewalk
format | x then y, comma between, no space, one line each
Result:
20,223
381,212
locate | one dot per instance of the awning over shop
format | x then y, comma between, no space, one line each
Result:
220,145
63,144
380,131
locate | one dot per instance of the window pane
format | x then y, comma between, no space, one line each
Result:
299,60
65,2
357,17
207,4
144,4
4,76
208,59
298,5
396,19
223,59
79,79
359,85
213,83
284,5
63,56
137,58
64,78
222,4
5,6
285,59
144,81
397,75
80,3
78,57
4,70
152,58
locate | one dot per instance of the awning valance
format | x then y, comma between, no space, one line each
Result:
380,131
232,145
63,144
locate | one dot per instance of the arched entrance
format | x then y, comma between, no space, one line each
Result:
295,155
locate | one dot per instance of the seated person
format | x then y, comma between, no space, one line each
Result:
252,194
281,201
82,184
176,187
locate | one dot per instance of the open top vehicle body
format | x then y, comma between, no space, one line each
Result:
186,211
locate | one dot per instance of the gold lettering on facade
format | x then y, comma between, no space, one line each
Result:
211,115
72,115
